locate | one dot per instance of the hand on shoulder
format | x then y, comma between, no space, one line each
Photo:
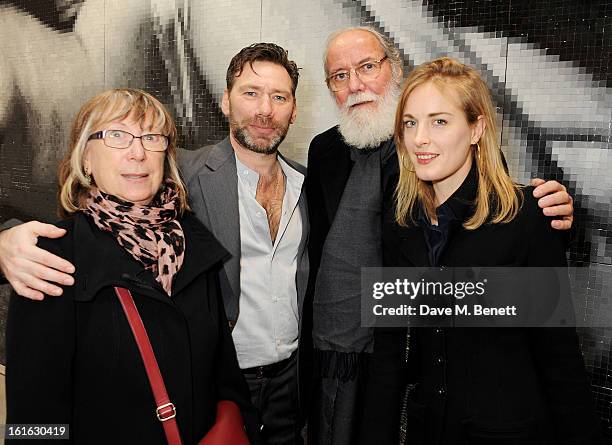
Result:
32,271
555,201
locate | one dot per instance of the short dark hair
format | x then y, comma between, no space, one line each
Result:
262,52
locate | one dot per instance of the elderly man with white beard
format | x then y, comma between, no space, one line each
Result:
349,166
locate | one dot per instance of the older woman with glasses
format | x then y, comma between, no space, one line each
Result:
73,359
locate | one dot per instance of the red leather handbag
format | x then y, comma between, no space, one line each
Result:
228,428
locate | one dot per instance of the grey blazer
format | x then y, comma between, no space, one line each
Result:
212,182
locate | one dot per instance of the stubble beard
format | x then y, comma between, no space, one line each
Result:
368,127
241,134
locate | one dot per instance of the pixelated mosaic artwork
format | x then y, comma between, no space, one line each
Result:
546,61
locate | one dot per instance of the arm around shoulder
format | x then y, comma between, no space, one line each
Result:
547,246
33,271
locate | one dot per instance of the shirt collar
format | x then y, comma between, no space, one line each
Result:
295,179
246,174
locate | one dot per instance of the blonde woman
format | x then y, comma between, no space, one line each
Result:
73,360
454,204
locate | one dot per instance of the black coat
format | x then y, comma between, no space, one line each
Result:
486,385
74,360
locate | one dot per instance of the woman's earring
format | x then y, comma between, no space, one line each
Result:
87,176
478,150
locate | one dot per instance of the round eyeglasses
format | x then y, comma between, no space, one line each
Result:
366,71
123,139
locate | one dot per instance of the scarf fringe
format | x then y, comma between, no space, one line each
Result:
344,366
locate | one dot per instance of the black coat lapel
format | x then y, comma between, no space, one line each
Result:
335,171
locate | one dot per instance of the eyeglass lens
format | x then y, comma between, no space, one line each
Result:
366,71
123,139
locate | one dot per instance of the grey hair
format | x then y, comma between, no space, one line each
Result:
386,45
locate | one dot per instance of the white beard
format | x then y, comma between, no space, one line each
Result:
368,127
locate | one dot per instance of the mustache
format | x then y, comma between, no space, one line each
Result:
263,121
358,98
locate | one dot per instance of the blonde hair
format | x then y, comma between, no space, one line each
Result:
112,105
499,199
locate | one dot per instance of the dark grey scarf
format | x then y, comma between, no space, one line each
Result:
341,345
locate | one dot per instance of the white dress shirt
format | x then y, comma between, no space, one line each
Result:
267,327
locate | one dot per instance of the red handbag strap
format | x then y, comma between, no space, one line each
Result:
166,412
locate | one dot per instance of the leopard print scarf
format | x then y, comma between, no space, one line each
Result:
150,233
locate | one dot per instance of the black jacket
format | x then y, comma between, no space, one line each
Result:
73,359
486,385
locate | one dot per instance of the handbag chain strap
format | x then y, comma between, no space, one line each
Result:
165,411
